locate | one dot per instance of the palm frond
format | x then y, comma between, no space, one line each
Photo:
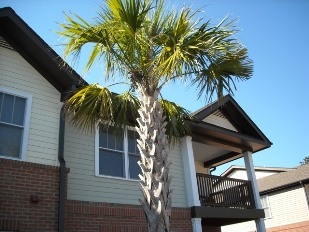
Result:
151,46
220,75
89,105
176,117
125,107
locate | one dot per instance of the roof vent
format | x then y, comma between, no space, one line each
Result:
218,114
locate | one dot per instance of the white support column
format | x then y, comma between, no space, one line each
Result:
190,179
260,225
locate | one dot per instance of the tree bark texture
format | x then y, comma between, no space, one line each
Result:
155,180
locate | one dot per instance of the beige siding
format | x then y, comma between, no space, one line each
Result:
84,185
287,206
219,121
199,167
18,75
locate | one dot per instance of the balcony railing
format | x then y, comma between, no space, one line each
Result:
216,191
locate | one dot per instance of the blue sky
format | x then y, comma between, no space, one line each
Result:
276,35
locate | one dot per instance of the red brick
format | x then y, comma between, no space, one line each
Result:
295,227
19,180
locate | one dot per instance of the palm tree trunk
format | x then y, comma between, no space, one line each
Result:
155,180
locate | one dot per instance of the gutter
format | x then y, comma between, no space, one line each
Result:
290,185
62,173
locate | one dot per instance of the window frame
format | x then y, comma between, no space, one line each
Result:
267,207
126,155
26,123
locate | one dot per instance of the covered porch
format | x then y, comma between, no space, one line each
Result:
222,132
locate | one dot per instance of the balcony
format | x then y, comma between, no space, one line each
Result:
216,191
224,201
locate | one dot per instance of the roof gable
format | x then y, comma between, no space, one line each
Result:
232,117
36,52
218,119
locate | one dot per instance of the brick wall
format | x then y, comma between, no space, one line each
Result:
29,202
295,227
18,182
107,217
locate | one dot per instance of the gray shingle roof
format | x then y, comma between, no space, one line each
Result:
284,179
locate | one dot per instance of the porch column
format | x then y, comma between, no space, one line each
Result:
190,179
260,225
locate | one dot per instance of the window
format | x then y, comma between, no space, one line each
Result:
14,124
117,153
266,206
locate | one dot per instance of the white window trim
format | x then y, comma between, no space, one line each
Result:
25,134
126,156
268,206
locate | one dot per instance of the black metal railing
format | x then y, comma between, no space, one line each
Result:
217,191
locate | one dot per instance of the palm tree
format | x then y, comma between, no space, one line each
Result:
149,46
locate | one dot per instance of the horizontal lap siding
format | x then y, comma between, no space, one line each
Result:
18,75
287,207
85,186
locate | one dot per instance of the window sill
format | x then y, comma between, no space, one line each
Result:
117,178
11,158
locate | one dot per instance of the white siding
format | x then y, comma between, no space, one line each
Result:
287,206
84,185
18,75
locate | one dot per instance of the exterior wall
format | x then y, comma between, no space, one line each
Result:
102,217
83,185
18,75
288,206
199,167
18,181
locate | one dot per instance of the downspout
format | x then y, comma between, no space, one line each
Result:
62,173
306,193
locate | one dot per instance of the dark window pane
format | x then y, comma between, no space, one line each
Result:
131,141
1,98
7,108
119,142
19,111
111,163
103,138
115,139
132,136
111,138
10,140
134,168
